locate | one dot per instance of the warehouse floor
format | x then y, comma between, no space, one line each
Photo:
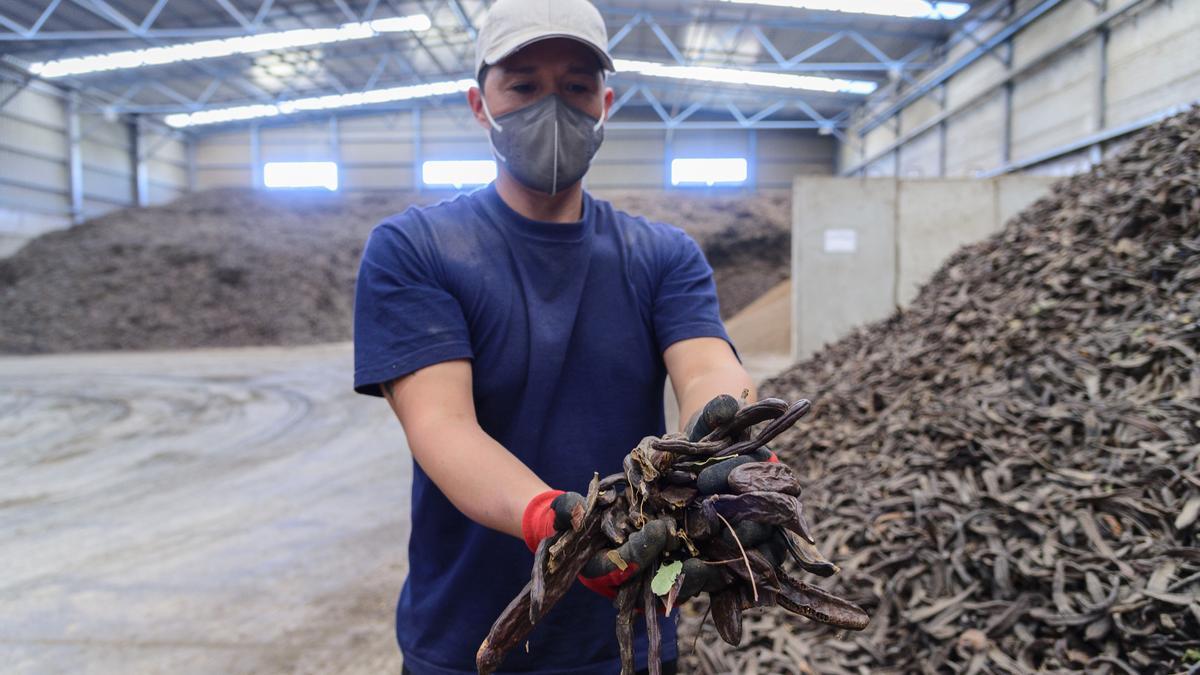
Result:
229,511
232,511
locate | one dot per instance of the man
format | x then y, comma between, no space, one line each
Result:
522,334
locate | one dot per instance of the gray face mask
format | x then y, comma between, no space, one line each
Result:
548,145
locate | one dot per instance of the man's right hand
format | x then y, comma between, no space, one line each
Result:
552,512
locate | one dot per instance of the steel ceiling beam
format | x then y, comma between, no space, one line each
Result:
982,49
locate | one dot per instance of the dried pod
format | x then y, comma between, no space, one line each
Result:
806,555
615,524
672,497
700,523
626,600
763,477
727,614
760,411
765,507
820,605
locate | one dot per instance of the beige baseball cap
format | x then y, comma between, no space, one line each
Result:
513,24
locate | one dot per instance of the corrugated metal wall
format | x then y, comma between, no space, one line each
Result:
36,180
380,151
1117,73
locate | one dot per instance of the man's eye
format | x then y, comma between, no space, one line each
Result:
578,88
522,88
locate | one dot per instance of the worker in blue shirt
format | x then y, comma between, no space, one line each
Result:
521,335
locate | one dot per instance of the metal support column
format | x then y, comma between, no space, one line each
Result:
190,150
417,182
335,146
752,158
942,137
1006,152
75,157
256,167
1097,152
896,154
668,150
141,171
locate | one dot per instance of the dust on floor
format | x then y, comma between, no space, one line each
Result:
231,511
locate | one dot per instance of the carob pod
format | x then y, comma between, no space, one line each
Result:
806,555
672,497
615,524
574,550
679,477
537,582
771,508
760,411
626,600
762,477
777,426
820,605
700,523
727,614
653,630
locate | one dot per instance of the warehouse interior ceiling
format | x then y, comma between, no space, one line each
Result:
746,63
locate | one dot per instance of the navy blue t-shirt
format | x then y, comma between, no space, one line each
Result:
565,324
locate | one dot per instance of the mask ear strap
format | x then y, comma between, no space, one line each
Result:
488,113
603,118
495,126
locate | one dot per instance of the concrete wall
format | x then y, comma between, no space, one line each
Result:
35,167
385,150
862,247
1050,100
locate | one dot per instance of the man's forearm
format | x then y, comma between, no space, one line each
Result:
478,475
729,379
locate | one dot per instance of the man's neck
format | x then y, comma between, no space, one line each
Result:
564,207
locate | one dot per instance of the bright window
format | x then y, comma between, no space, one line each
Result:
708,171
301,175
458,172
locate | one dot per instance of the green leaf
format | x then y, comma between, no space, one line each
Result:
665,577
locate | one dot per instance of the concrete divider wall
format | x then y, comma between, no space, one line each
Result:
862,247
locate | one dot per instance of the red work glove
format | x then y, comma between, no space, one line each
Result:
551,511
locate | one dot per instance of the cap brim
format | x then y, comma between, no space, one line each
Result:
519,41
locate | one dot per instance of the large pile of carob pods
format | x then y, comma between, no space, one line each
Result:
1008,472
725,518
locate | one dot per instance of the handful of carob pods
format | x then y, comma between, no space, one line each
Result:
705,513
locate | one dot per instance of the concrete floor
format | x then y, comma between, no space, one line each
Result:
213,511
223,511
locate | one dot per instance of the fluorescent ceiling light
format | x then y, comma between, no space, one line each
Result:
248,112
708,171
912,9
301,175
756,78
211,49
458,172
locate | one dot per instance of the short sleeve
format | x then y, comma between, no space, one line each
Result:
404,317
685,304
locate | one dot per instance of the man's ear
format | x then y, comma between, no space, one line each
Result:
475,100
608,102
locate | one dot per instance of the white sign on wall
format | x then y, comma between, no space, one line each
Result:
841,241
